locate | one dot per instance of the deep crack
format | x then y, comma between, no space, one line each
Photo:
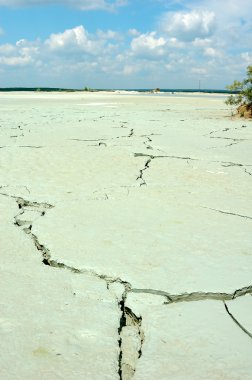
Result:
131,338
170,298
46,254
195,296
122,324
165,156
130,332
150,158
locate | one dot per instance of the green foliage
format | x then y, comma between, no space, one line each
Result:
244,88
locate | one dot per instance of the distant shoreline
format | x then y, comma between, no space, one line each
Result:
172,90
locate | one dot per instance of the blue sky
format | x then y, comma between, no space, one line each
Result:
124,43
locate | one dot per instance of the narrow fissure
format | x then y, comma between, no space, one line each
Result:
131,133
247,172
140,177
236,321
228,213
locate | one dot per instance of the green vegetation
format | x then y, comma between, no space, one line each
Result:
243,99
157,90
87,89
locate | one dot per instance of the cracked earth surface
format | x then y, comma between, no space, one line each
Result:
117,263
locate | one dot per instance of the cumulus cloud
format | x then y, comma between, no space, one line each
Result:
148,45
247,57
108,35
130,69
78,42
7,49
190,45
15,61
133,32
212,52
188,26
202,42
232,22
71,39
80,4
226,10
62,54
199,71
175,43
215,35
20,54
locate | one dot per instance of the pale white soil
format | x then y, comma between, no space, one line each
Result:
125,244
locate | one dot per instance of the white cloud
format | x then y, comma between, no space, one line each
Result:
108,5
187,26
79,41
211,52
201,42
226,10
174,42
20,54
130,69
233,21
16,61
216,36
72,53
148,45
7,49
76,38
108,35
76,57
169,67
133,32
199,71
247,58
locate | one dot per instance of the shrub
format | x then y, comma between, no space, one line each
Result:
243,99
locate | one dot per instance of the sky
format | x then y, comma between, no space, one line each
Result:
124,43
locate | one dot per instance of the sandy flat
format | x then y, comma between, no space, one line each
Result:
125,237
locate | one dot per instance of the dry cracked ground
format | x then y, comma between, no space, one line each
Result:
125,238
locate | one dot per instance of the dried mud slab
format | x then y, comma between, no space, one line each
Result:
125,226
